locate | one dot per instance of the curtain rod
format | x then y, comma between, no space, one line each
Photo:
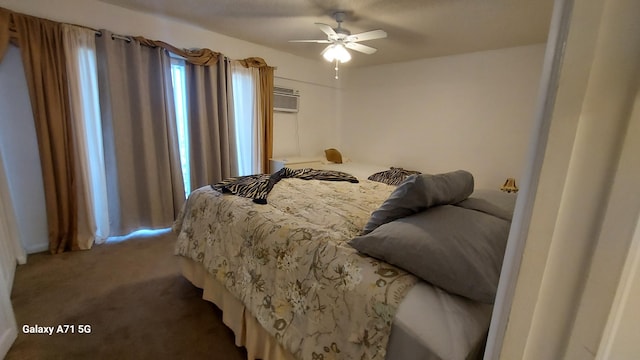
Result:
128,39
115,36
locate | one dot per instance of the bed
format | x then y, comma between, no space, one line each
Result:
292,285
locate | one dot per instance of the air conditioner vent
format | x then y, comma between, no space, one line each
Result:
285,99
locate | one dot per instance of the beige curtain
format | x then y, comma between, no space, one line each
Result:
212,145
204,57
42,52
5,21
266,104
266,101
144,179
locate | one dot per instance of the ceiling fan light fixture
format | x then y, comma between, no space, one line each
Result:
336,52
341,40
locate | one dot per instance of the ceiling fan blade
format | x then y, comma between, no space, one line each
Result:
327,29
368,35
312,41
361,48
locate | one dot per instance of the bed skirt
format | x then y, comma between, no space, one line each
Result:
248,332
455,329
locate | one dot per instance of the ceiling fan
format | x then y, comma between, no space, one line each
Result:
341,39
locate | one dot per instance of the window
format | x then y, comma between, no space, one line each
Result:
244,109
245,119
178,82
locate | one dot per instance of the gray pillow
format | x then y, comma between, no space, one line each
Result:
494,202
457,249
419,192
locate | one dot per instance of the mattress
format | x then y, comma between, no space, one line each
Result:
452,328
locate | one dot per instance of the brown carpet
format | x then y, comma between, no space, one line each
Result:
131,294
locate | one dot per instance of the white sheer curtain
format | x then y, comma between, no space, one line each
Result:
249,128
93,213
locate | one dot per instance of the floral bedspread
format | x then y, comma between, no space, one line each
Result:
289,264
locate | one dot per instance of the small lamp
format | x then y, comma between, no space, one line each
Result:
509,186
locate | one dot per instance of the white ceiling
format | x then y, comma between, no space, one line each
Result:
416,28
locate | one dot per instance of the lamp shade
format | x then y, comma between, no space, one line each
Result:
509,186
336,52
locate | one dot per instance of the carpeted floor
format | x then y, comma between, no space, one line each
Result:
132,296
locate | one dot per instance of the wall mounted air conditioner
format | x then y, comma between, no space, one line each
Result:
285,99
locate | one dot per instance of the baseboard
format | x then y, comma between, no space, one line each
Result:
37,248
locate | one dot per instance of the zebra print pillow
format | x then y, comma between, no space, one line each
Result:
393,176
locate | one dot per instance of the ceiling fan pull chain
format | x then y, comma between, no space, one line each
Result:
336,68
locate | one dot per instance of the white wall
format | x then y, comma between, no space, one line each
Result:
19,151
613,247
314,128
472,111
620,340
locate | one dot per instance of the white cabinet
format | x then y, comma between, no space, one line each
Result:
295,163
